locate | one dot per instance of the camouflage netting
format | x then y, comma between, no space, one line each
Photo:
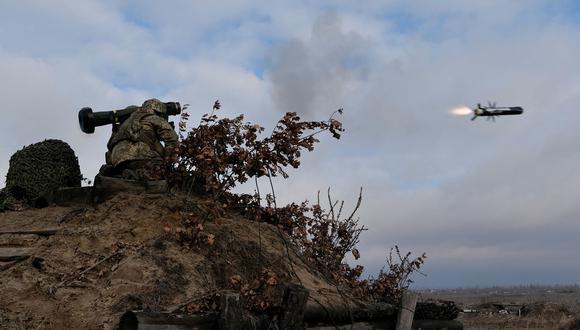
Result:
40,168
2,200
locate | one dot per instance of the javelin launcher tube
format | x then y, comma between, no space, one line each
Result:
88,119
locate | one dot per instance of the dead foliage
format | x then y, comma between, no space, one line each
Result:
220,153
261,294
390,283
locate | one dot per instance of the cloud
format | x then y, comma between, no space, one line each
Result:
430,177
305,72
63,28
41,101
478,197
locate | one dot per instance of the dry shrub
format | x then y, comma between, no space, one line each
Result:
221,153
390,283
262,294
323,237
572,324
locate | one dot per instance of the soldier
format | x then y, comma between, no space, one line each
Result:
135,150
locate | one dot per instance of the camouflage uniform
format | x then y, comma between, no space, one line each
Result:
137,143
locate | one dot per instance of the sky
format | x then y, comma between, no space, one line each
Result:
490,203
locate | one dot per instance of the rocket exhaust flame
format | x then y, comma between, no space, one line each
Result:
461,111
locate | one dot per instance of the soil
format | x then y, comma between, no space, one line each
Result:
123,254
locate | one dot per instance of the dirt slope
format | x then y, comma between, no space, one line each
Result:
123,255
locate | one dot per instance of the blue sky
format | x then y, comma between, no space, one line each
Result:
490,203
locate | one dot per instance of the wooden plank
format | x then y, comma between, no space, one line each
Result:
407,311
139,320
39,232
437,324
417,324
355,326
231,314
293,307
106,187
341,314
7,265
11,254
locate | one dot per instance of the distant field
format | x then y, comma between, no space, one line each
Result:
568,296
548,307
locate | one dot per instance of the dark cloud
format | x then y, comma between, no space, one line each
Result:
314,75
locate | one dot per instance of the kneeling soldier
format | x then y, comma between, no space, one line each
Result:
135,150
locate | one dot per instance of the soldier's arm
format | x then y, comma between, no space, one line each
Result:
165,132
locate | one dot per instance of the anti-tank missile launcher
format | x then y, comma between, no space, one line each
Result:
88,119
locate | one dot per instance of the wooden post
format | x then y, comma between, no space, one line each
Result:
407,311
293,307
231,314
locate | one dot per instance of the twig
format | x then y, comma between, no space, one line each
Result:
259,221
358,202
340,209
87,270
330,204
272,188
192,300
107,212
280,231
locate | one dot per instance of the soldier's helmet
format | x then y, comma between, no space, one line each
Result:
154,105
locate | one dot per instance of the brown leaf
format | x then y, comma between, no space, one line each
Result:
235,280
271,278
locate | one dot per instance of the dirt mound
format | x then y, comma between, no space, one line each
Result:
124,254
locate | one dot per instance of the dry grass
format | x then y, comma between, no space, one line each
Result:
548,307
498,321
